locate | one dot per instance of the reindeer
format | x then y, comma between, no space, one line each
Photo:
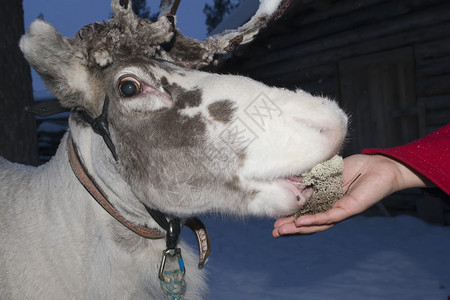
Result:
152,143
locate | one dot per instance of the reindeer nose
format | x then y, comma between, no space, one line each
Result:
320,128
332,126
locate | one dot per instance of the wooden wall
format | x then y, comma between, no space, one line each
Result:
337,48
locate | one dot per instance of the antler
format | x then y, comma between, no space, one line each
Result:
128,35
124,35
168,7
205,53
268,11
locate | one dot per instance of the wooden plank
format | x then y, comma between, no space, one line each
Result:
436,85
404,112
438,118
302,75
375,32
345,17
434,112
433,67
436,102
314,23
296,63
329,13
434,48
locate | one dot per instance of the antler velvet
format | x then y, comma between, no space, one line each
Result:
126,34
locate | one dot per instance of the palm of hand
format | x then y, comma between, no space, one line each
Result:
367,179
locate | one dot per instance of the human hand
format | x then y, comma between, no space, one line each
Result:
367,179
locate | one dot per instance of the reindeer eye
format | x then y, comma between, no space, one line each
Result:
129,87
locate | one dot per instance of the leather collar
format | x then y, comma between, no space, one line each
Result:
99,195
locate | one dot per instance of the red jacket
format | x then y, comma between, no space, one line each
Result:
430,156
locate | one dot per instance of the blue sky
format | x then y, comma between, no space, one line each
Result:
67,16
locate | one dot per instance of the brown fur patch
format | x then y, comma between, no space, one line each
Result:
222,111
153,158
189,99
183,98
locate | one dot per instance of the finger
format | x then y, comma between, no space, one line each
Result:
275,233
313,229
287,228
282,221
291,229
332,216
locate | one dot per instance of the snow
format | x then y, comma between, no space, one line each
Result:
362,258
267,7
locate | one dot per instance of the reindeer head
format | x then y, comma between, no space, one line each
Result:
186,141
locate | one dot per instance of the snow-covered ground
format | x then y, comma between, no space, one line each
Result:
361,258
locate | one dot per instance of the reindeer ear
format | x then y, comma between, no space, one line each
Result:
61,65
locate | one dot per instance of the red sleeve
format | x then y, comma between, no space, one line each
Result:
430,156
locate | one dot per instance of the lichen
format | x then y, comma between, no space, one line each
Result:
326,181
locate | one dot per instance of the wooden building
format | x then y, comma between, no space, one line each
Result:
386,62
